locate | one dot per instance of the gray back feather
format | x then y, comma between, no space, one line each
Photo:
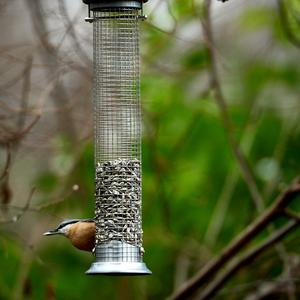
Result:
72,221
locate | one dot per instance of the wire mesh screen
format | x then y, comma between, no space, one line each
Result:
117,133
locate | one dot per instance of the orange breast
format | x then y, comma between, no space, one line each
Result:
82,235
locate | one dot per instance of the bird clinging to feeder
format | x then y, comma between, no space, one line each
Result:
116,232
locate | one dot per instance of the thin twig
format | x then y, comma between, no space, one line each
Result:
71,31
280,284
291,214
7,163
171,14
170,33
222,204
23,210
59,94
25,93
283,15
220,99
15,137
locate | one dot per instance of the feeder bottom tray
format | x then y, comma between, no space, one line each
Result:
118,268
118,258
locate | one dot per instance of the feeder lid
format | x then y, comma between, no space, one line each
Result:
107,4
100,1
108,1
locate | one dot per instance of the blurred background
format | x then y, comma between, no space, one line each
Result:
195,197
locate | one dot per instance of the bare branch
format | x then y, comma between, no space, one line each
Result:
59,94
238,243
291,214
13,137
22,211
220,99
245,259
280,284
228,125
25,93
7,163
283,15
170,33
71,31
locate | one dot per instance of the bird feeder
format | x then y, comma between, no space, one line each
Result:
117,137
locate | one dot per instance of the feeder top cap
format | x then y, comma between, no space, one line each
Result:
109,1
108,4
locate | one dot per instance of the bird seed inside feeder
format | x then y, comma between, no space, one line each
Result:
118,201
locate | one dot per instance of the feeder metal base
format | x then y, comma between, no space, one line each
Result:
118,268
118,258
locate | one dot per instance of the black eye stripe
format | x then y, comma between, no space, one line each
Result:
67,222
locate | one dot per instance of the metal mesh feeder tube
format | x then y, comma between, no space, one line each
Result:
117,137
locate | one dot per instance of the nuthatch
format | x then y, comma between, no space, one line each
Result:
81,233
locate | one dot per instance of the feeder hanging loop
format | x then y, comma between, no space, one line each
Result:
117,137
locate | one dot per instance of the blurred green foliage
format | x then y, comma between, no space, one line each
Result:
188,165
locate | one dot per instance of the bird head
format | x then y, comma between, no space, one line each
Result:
81,232
62,228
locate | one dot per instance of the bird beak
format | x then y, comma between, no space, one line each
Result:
51,232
